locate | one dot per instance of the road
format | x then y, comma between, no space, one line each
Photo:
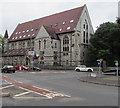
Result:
61,88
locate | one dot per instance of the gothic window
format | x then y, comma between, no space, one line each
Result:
44,44
39,44
65,40
33,43
65,46
83,36
28,43
55,45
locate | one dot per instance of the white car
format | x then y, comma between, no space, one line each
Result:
83,68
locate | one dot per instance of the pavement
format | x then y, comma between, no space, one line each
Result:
109,80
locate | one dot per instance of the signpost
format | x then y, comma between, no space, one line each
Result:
31,55
99,62
116,64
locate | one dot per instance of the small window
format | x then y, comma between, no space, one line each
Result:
16,33
19,32
32,29
71,21
16,37
20,37
56,24
23,31
84,26
24,36
33,34
29,35
27,30
13,38
63,23
55,45
60,29
68,28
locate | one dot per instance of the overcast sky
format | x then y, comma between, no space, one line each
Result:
13,12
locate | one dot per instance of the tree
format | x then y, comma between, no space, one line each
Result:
105,43
118,20
1,43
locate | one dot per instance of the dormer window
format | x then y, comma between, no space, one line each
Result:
24,36
71,21
32,29
63,23
16,37
33,34
19,32
16,33
60,29
56,24
29,35
68,28
20,37
27,31
23,31
13,38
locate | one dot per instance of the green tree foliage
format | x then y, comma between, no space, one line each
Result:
1,43
105,43
118,20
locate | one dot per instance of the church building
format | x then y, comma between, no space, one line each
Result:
61,39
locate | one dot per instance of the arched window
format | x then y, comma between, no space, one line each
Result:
39,44
44,44
65,45
65,40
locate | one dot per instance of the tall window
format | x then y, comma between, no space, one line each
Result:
44,44
65,40
65,45
39,44
55,45
85,32
83,36
23,44
28,44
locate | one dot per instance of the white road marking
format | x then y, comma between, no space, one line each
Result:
7,86
22,94
8,82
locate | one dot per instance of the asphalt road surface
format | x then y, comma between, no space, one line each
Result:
55,88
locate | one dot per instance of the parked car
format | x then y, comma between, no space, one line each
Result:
22,67
34,68
83,68
8,69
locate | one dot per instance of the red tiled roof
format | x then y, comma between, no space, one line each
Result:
62,22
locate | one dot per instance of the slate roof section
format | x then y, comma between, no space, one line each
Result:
17,52
61,22
51,32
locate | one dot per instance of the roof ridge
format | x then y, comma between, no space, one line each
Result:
52,14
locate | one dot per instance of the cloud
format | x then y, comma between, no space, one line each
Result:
15,12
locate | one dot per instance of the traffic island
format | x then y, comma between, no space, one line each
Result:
104,80
6,94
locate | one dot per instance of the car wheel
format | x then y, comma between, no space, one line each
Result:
78,70
89,70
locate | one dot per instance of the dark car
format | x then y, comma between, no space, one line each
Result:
8,69
34,68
